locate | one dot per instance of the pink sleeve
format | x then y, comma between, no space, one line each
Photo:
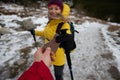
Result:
38,71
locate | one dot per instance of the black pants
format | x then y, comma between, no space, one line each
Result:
58,72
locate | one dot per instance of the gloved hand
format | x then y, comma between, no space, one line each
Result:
62,38
32,31
59,39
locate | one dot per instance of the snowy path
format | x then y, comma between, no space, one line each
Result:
87,61
91,60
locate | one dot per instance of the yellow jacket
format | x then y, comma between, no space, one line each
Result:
49,32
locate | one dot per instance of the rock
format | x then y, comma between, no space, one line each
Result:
28,24
4,31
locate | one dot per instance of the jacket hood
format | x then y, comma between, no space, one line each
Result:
66,10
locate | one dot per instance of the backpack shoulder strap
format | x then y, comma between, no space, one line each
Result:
59,27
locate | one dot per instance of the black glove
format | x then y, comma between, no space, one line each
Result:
63,38
32,31
59,39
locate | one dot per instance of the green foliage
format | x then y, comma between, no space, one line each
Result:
102,9
23,2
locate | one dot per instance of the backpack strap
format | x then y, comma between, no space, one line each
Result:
59,27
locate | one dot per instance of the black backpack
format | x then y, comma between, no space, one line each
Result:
68,45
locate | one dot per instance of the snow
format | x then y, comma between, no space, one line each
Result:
6,19
111,44
93,41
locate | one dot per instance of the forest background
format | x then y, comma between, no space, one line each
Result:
108,10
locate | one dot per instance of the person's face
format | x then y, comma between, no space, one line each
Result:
54,11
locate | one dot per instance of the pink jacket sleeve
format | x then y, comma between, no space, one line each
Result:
38,71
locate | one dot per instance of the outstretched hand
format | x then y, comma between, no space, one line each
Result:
46,56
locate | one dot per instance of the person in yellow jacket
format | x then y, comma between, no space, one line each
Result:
57,12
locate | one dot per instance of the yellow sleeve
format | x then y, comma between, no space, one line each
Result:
39,33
